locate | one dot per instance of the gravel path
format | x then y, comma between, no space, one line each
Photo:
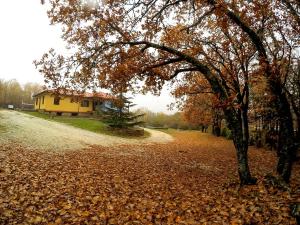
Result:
49,135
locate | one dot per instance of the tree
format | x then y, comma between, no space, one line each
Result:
28,90
198,110
199,105
124,42
12,92
275,37
119,115
292,88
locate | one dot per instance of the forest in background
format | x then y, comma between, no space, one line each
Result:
14,93
163,120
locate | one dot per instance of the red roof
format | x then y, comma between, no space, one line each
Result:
97,95
101,95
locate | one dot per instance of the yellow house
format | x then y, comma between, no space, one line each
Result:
65,102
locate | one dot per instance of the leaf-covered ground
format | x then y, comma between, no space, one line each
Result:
192,180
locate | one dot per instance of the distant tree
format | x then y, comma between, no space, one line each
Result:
28,90
163,120
201,110
12,92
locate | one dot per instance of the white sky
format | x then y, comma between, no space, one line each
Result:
26,34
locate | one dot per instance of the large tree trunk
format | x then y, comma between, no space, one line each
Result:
287,148
238,123
216,123
242,159
298,128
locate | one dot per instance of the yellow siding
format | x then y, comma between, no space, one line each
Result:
36,104
65,105
42,106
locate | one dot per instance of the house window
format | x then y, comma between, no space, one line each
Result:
56,100
36,101
85,103
43,100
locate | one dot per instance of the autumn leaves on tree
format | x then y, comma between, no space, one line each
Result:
217,48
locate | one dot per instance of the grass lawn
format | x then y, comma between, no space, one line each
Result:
2,128
89,124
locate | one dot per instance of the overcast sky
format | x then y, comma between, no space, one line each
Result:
26,35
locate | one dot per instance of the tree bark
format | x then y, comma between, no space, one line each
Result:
238,123
216,123
242,158
298,128
287,148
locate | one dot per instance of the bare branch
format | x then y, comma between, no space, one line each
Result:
199,20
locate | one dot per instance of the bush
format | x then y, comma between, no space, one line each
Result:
130,132
226,132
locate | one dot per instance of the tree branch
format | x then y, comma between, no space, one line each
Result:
292,10
199,20
178,71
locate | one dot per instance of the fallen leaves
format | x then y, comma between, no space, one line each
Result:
190,181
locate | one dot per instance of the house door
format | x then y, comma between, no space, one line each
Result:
94,105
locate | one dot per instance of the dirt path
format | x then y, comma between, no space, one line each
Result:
48,135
